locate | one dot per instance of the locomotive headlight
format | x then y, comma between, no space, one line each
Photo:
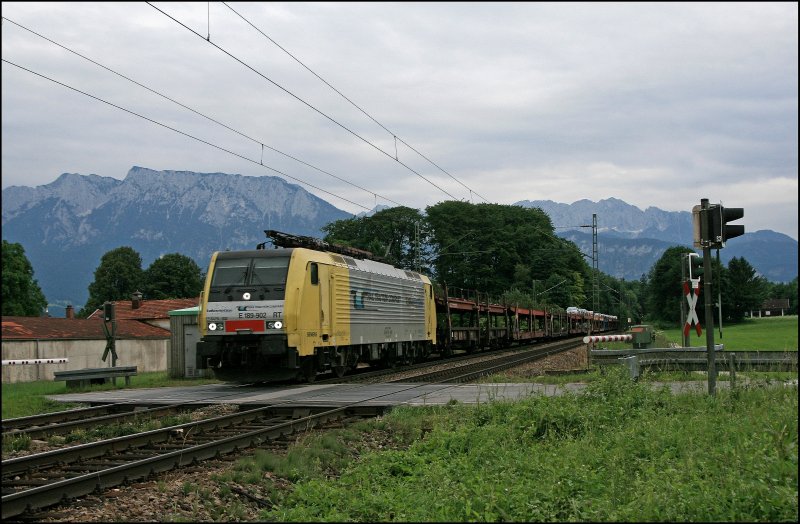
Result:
212,326
246,296
278,324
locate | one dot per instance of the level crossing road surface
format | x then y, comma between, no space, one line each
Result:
336,395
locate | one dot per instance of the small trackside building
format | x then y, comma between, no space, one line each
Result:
142,339
182,357
82,341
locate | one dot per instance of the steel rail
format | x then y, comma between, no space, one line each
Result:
55,491
98,449
60,428
479,369
368,375
58,417
61,422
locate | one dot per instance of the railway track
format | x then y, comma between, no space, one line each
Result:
419,372
37,481
62,422
474,370
376,376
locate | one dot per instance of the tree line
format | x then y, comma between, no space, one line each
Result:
509,253
513,254
119,275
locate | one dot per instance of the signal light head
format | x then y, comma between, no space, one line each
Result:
718,230
729,214
695,269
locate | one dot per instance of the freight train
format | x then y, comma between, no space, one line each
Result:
309,307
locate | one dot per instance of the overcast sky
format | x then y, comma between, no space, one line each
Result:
656,104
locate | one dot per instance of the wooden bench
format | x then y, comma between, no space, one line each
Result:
85,377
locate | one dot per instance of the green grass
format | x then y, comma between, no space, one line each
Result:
559,379
775,333
22,399
618,452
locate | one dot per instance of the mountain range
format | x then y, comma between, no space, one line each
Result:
630,240
66,226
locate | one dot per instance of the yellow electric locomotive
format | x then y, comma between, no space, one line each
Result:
293,312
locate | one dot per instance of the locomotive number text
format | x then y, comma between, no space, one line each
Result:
252,315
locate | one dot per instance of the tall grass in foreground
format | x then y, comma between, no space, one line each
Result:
620,451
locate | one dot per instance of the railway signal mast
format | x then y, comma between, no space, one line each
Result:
711,230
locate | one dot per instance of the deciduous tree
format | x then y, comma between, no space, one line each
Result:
390,234
743,290
172,276
665,287
118,275
21,293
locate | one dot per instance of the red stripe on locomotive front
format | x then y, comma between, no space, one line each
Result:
255,325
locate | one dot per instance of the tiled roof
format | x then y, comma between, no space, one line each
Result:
149,309
46,328
776,303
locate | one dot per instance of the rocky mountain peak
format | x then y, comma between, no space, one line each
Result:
80,217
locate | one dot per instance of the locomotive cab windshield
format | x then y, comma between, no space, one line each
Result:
265,277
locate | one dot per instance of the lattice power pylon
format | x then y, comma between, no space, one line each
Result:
595,266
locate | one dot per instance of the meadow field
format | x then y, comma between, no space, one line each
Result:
768,333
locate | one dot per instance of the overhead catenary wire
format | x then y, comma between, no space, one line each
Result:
240,133
307,104
185,134
396,138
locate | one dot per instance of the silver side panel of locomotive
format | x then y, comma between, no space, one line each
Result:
386,304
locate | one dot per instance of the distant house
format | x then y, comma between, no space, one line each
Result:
142,339
774,307
153,312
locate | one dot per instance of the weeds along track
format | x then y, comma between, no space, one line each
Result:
41,480
62,422
68,421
